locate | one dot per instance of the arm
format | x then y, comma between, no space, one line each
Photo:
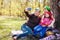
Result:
42,18
53,20
26,12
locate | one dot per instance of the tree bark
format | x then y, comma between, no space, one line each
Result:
56,12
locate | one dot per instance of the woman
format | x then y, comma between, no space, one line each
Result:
34,20
46,21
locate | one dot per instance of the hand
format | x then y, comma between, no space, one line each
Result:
28,9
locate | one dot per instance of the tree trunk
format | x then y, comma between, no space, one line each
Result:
55,6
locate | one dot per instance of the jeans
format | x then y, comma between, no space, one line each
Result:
26,31
39,29
26,28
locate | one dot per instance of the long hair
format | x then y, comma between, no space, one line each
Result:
49,13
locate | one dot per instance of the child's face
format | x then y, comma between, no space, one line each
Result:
47,15
45,9
37,13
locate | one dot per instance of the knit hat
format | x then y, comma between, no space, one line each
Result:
47,7
37,9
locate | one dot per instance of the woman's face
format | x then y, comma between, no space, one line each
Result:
47,15
37,13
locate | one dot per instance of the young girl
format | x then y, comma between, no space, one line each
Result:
46,20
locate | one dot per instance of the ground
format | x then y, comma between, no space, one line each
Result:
7,24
